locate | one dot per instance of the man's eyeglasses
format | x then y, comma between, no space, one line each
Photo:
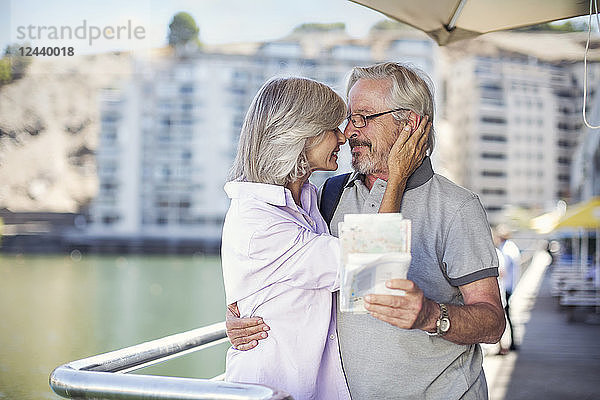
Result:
360,121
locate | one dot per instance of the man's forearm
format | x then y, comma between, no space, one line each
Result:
480,320
469,324
392,198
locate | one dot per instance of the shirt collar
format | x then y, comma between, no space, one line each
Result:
421,175
272,194
276,195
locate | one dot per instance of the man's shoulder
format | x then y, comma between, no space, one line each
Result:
334,178
345,177
450,192
442,198
330,193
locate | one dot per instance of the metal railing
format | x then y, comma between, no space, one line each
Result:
104,376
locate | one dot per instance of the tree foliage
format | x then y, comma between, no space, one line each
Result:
388,24
13,65
5,73
319,27
567,26
183,29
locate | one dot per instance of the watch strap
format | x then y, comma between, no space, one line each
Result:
444,318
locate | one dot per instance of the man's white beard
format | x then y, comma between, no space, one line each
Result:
370,164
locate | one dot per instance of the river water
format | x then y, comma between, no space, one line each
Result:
56,309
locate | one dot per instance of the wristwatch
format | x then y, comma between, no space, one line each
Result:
443,323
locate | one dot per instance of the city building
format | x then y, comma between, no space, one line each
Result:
169,135
513,113
508,123
585,168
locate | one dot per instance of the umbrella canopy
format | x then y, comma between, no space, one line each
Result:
584,215
545,223
449,20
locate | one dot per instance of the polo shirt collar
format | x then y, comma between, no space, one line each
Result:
421,175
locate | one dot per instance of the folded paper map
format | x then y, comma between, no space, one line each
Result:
375,248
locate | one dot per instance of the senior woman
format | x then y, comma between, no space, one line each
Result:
278,258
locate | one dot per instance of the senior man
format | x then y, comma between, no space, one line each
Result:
423,344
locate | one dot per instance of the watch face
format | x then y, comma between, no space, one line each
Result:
444,324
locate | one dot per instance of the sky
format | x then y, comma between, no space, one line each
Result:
143,24
220,21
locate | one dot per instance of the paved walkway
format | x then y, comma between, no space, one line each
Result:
557,359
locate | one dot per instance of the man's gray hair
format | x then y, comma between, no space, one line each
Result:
284,115
411,88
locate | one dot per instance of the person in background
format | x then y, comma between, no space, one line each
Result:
279,260
425,343
502,346
512,261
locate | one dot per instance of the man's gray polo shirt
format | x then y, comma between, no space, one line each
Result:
451,246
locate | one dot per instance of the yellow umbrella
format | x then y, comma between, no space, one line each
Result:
545,223
585,215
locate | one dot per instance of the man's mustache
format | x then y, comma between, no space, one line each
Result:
356,142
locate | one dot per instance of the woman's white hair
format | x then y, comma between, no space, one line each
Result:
411,88
283,116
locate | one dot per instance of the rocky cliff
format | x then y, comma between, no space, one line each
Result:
49,125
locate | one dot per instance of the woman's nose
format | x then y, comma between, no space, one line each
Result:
341,137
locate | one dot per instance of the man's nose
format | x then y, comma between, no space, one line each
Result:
350,131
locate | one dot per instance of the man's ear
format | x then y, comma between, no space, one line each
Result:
414,120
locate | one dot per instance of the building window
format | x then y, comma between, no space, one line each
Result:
186,89
161,202
564,161
564,143
108,186
109,118
493,209
109,133
492,86
489,100
493,138
110,219
493,120
218,221
497,192
493,156
493,174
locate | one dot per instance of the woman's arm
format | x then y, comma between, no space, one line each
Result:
405,156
